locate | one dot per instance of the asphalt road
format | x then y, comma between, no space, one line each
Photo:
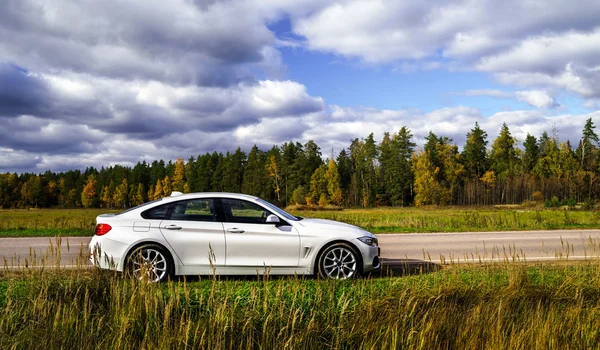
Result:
396,249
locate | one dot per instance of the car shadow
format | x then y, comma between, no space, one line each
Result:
389,268
405,267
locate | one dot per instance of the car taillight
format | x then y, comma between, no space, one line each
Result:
102,229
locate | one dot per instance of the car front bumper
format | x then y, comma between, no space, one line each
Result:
370,256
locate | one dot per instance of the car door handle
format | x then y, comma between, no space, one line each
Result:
235,230
173,227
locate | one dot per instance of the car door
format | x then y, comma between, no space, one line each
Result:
192,230
251,242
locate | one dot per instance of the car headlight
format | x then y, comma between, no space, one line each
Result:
372,241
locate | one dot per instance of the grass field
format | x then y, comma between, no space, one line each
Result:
80,222
490,306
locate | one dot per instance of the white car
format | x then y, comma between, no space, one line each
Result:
228,234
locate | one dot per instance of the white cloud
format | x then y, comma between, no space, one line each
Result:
556,41
535,98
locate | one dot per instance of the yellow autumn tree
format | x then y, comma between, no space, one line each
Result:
178,182
138,198
120,199
151,193
273,172
89,193
334,189
158,190
428,190
166,185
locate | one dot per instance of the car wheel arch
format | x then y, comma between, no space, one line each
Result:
315,269
170,255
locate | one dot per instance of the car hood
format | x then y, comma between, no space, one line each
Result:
330,225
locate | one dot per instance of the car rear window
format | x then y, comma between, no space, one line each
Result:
156,213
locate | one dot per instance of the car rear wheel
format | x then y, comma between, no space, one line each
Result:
339,261
150,263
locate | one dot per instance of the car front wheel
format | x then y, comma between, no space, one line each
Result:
338,261
151,263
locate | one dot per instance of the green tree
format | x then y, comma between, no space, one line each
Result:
299,195
255,181
233,171
504,155
587,151
400,180
474,154
531,153
344,163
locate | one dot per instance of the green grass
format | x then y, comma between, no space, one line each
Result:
460,219
489,306
49,222
80,222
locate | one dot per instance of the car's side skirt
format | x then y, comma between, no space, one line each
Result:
242,270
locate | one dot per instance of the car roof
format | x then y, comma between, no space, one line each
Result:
179,196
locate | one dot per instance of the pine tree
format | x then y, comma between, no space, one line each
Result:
344,164
503,154
474,154
531,154
587,152
255,180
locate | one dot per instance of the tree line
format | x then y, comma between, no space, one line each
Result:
392,172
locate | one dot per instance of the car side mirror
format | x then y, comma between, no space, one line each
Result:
273,219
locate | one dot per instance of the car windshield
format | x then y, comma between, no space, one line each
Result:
140,206
279,211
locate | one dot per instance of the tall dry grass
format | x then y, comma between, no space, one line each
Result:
491,305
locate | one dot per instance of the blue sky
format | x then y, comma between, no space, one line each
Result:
119,81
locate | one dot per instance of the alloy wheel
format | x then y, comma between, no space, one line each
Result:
339,263
149,264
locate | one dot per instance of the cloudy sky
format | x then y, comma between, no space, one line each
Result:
85,82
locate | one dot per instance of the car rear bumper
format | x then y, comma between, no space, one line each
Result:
106,253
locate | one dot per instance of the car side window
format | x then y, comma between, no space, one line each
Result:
156,213
244,212
194,210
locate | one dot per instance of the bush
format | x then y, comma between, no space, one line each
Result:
553,203
299,196
571,202
537,196
589,204
529,204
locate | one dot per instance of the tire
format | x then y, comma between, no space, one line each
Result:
339,261
151,263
